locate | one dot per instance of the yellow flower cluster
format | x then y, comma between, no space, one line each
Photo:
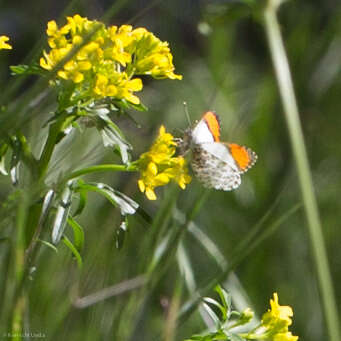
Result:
107,58
158,166
277,320
3,44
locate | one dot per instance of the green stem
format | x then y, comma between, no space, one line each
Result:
49,146
287,94
19,264
27,155
100,168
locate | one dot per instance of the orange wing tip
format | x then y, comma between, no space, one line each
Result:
244,157
213,124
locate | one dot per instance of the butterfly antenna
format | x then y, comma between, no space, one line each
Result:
187,114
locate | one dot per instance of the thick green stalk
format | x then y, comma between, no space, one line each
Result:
18,306
287,94
24,217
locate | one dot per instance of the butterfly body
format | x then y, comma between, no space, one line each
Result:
216,164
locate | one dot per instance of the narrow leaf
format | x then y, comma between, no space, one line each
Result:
215,303
51,246
113,137
78,233
212,314
226,300
74,251
34,69
126,204
81,203
139,107
61,215
48,199
3,150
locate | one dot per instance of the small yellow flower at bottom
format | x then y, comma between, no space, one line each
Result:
158,166
277,314
277,320
3,44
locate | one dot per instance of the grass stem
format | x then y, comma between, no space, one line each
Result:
286,89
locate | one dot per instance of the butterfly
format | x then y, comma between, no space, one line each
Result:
216,164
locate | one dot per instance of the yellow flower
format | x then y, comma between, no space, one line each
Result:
277,320
107,62
158,166
153,56
3,44
277,314
285,337
118,86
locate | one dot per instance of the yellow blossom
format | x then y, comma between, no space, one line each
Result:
158,166
3,44
153,57
277,320
107,59
118,86
277,314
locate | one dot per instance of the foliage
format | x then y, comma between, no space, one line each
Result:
274,324
85,254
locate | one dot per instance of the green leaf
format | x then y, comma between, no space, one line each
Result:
78,233
226,301
82,202
51,246
22,69
2,166
99,109
217,304
212,314
73,249
113,137
48,199
3,150
125,204
139,107
63,210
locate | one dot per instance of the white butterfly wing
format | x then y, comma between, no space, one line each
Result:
214,166
201,133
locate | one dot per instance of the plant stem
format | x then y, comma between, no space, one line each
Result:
18,307
287,94
49,146
100,168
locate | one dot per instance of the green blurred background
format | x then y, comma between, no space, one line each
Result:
220,49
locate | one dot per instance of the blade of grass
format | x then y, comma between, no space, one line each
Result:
286,89
238,293
156,273
18,307
189,306
188,275
115,290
